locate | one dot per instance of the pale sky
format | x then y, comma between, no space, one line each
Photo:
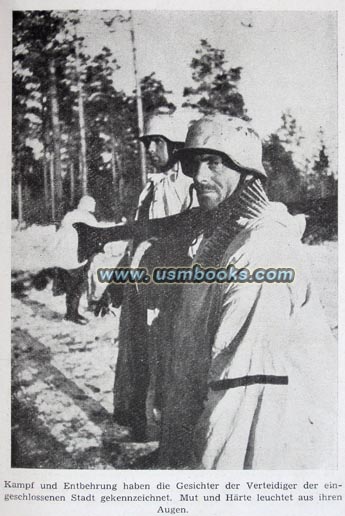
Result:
289,60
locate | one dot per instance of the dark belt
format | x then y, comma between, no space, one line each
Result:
243,381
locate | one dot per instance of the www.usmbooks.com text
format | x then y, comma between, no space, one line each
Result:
195,274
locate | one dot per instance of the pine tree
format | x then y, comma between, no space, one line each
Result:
154,94
105,115
290,134
37,56
282,161
216,89
61,97
322,181
284,180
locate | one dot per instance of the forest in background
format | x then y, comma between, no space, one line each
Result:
74,133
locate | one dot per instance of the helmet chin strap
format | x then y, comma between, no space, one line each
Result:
169,166
192,189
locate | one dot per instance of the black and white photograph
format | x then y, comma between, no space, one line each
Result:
174,249
174,139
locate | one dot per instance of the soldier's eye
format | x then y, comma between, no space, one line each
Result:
190,166
214,162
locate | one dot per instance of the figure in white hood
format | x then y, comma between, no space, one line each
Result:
250,382
70,275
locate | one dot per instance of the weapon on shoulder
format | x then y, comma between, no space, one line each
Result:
91,240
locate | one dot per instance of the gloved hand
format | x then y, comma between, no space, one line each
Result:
102,306
112,296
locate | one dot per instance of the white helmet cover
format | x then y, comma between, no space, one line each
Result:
171,126
232,137
87,203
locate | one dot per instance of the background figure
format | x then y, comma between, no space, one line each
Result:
166,193
70,276
252,371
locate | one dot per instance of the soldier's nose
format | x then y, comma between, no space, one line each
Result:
151,148
203,172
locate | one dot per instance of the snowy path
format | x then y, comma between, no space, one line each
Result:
63,377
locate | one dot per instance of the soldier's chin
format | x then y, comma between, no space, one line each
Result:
208,200
160,165
155,160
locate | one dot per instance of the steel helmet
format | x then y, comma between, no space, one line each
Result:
87,203
229,136
171,126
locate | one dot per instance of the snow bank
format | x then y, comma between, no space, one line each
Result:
29,245
324,269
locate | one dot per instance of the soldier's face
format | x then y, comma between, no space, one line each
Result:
157,149
214,181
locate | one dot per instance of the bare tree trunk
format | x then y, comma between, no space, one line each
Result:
116,180
72,184
121,180
17,173
52,186
55,121
45,185
81,120
20,199
26,202
139,105
84,178
46,148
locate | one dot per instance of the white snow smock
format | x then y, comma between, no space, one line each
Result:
170,193
250,333
62,251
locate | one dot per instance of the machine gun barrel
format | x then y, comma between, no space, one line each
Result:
91,240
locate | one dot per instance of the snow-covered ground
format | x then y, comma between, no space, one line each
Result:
63,373
324,267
